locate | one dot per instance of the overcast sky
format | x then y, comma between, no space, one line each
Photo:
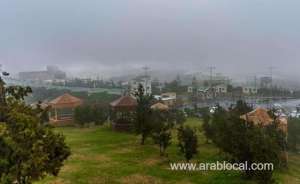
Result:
118,35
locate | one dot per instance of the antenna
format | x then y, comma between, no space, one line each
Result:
211,69
146,69
271,69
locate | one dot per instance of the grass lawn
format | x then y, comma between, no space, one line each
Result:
100,155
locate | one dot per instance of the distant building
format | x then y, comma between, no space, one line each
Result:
249,90
145,81
220,89
265,82
52,73
203,93
208,92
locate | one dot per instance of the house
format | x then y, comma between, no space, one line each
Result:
249,90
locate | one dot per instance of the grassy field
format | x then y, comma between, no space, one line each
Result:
100,155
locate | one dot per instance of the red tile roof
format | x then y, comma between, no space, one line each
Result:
124,102
65,101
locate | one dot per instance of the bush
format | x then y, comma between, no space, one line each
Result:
87,114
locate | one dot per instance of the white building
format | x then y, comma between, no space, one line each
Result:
220,89
145,81
249,90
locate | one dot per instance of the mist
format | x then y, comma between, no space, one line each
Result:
113,37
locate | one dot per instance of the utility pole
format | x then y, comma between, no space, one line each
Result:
146,69
271,75
147,79
211,69
271,69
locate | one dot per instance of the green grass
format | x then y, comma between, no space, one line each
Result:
100,155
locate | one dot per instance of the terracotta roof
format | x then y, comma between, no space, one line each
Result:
124,103
65,101
259,116
160,106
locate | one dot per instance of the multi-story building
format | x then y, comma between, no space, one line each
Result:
145,81
52,73
250,90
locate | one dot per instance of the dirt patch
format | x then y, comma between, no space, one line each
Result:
99,157
101,180
69,168
122,151
140,179
183,182
60,181
153,161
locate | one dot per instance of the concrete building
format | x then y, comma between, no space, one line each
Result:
249,90
220,89
145,81
52,73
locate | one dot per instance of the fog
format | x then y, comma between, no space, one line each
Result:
114,37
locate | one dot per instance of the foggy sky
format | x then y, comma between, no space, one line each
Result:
113,36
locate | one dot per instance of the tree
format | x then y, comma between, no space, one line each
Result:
86,114
179,117
188,142
142,124
163,124
29,149
206,126
294,134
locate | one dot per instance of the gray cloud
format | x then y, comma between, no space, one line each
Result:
112,35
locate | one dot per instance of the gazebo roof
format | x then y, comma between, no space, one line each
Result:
124,103
259,116
65,101
160,106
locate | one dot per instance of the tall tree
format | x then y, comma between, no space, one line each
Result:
162,129
142,124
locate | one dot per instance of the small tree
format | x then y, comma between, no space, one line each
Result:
206,126
188,142
142,124
162,135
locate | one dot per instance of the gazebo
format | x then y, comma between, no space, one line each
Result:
122,116
62,109
258,117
